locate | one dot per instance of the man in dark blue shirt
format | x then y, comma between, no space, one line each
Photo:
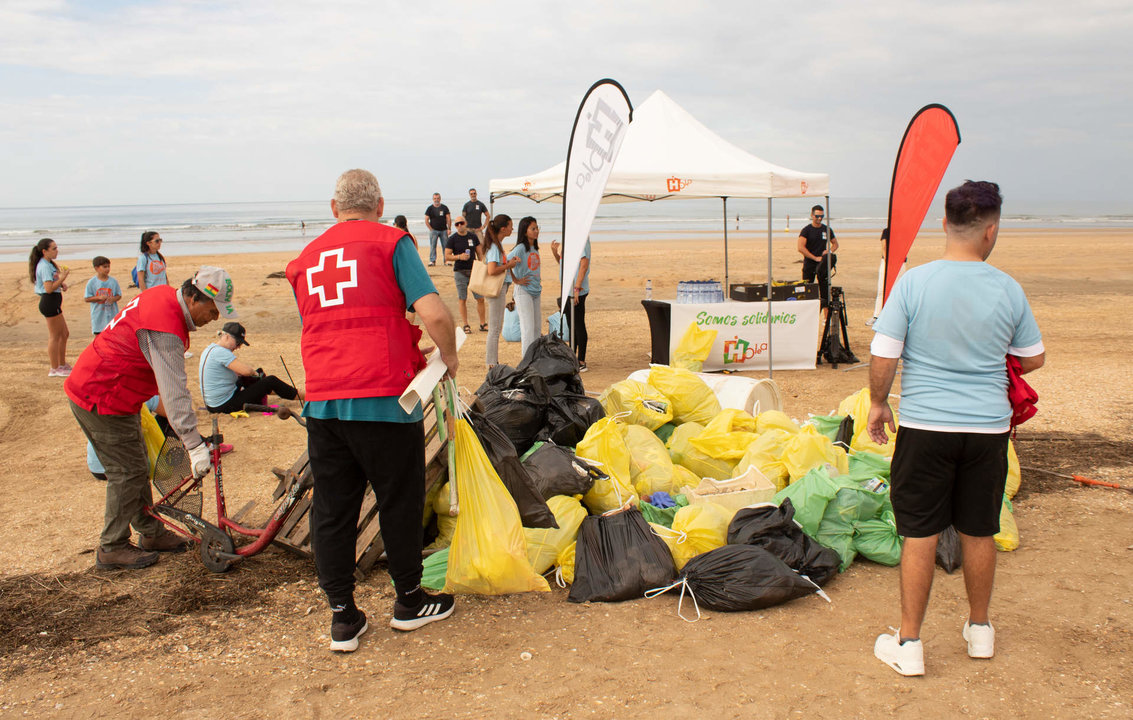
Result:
475,214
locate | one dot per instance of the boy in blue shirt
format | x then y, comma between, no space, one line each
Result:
103,294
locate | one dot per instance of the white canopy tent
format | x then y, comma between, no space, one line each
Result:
667,153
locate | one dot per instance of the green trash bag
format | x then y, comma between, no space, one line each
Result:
436,567
877,539
809,495
826,425
850,505
662,516
665,432
865,465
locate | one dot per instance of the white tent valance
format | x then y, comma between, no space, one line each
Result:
667,153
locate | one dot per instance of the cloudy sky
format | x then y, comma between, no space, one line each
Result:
124,102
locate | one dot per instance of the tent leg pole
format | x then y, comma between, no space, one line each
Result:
770,355
726,292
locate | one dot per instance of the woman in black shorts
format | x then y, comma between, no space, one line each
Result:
50,282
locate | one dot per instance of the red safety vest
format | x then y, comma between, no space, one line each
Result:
112,376
356,341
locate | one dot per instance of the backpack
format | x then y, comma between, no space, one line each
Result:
1021,395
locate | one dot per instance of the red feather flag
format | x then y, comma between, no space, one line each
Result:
927,148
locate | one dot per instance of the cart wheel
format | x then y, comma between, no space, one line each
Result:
215,545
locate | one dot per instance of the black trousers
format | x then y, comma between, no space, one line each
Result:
345,455
812,269
254,390
578,335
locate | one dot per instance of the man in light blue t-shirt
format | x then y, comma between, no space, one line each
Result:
953,322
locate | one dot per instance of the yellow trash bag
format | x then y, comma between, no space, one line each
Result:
650,467
727,436
604,445
683,452
809,449
1014,476
766,454
545,544
671,538
775,419
1007,539
564,575
705,527
446,523
693,349
692,400
488,554
153,436
683,477
858,406
646,405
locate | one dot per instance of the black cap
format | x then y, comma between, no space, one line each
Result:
236,330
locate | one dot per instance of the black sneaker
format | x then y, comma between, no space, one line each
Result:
431,609
344,636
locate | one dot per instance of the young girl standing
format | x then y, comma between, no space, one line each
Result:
528,284
498,230
151,263
50,282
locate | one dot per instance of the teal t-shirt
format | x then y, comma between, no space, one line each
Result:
494,254
45,272
528,267
218,381
586,275
415,283
154,268
958,322
101,313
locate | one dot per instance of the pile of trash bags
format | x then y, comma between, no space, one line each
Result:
610,495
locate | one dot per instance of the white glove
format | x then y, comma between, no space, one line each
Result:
201,459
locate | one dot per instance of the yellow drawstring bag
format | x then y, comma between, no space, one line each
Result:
636,403
604,445
858,406
693,349
683,452
488,554
692,400
705,527
682,478
446,523
651,468
565,574
727,436
545,544
766,454
1014,476
775,419
153,436
809,449
1007,539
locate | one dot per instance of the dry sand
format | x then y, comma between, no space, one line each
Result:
179,641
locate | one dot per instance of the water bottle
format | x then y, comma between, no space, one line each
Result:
648,289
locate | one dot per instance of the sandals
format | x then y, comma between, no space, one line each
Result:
467,329
484,327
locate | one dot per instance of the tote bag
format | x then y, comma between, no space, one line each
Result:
484,284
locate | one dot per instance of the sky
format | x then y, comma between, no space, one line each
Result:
120,102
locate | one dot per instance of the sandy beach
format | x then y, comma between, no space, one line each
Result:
178,640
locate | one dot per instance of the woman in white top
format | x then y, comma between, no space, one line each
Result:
496,231
50,282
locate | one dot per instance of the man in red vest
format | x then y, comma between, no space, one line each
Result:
353,285
141,354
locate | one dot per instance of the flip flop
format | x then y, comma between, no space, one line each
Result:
467,329
484,327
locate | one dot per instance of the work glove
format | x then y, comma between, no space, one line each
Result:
201,459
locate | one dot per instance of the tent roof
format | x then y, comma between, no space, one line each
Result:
667,153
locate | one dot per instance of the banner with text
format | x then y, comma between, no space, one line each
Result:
741,333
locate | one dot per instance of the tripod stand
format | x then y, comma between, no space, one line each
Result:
835,337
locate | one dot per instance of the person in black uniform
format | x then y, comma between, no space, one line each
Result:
476,214
815,242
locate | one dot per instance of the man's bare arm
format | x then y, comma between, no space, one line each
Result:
1029,364
882,370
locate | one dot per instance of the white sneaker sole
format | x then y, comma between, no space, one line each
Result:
407,625
349,645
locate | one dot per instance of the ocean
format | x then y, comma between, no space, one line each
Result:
223,228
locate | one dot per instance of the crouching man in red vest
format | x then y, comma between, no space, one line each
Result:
138,355
354,284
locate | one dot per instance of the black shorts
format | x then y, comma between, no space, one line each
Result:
943,478
51,304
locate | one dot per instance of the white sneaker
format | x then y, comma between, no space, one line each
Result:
61,371
871,321
981,640
188,354
907,658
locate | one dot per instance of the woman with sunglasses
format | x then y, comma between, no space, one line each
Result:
528,282
50,282
151,263
497,262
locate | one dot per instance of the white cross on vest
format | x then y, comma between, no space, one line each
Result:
341,275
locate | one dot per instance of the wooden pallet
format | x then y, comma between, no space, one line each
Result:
295,535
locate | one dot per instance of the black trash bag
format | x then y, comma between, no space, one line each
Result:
520,411
553,359
569,416
533,510
743,577
845,432
499,377
617,557
948,555
774,529
555,470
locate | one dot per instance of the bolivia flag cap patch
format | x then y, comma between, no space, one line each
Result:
217,284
